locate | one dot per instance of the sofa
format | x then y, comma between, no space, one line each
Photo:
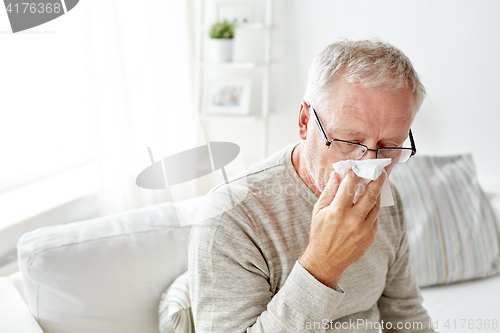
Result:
106,275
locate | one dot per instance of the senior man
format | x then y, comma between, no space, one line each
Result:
296,255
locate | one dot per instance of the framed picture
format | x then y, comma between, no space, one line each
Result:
229,97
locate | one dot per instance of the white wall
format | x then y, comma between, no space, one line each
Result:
454,46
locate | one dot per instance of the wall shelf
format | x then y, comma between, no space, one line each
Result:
254,26
232,65
258,70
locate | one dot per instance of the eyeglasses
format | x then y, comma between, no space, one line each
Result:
345,150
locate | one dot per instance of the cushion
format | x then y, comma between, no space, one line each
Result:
105,275
495,202
452,232
175,307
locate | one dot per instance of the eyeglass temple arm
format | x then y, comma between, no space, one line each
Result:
414,148
321,131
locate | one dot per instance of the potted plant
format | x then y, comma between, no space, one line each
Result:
221,41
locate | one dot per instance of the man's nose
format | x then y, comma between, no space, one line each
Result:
370,154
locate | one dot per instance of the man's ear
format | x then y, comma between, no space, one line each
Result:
303,120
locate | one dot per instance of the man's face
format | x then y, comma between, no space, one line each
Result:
374,118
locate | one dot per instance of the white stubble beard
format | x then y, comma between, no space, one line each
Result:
313,171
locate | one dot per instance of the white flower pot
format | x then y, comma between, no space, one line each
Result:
221,49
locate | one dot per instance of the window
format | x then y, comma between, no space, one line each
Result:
45,112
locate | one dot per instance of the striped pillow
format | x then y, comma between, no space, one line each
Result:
175,307
452,232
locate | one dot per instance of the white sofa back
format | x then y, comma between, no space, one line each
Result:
105,275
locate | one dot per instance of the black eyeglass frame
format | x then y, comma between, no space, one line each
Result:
329,142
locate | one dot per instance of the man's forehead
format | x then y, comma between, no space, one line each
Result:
347,97
353,133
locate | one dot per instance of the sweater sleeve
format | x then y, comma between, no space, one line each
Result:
401,301
229,281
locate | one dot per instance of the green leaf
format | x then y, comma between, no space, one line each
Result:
222,29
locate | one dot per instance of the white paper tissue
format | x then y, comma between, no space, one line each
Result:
367,170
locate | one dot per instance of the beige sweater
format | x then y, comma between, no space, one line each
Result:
243,269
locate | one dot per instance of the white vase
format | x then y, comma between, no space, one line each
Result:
221,49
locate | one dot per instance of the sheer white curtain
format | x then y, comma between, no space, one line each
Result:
139,56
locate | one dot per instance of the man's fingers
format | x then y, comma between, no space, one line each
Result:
372,215
371,195
375,227
347,189
328,193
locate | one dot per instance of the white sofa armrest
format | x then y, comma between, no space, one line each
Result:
15,316
17,281
105,275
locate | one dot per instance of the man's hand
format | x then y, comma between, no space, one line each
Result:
340,231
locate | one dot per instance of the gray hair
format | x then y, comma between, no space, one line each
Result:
370,63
